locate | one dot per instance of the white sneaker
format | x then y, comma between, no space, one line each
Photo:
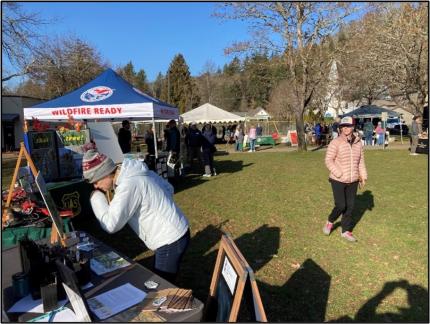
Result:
207,175
249,151
214,172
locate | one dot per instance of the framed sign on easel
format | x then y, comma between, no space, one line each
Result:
57,233
257,304
231,275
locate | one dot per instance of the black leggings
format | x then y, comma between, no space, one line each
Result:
344,197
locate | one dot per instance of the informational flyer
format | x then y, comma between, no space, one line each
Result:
115,301
229,275
108,262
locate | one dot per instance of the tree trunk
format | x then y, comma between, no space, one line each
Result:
300,127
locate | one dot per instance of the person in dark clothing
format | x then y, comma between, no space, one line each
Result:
214,130
194,143
259,130
368,131
173,138
416,130
318,131
208,149
124,137
335,128
149,140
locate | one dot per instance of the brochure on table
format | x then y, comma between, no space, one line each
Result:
108,262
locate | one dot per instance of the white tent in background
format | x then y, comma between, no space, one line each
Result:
208,113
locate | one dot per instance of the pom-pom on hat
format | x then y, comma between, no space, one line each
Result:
96,166
346,121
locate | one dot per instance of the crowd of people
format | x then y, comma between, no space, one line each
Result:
145,201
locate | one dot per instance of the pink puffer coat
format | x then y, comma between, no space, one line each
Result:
345,161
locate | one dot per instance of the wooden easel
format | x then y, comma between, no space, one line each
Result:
5,217
228,249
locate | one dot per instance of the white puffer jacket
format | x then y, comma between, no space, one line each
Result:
145,201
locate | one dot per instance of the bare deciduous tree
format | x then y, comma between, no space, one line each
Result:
19,39
296,30
403,45
386,53
62,65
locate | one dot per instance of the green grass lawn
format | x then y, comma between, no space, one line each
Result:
275,204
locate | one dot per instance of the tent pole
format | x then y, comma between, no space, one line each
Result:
155,137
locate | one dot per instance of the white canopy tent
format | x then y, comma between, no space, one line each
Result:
208,113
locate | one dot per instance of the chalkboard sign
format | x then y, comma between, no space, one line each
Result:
231,274
227,285
43,152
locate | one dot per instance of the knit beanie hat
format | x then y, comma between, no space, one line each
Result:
96,166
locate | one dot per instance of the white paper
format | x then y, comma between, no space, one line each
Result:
78,304
115,301
65,315
28,305
229,275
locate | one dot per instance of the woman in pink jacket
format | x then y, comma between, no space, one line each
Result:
345,161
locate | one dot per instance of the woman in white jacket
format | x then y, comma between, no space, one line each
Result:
144,201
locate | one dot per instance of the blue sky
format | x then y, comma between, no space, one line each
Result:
148,34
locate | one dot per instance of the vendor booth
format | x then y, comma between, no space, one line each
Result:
107,98
375,114
371,111
73,276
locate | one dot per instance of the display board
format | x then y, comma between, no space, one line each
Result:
231,274
77,300
43,152
106,140
251,286
70,152
292,136
50,204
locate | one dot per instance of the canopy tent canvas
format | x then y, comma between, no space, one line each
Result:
370,111
108,96
208,113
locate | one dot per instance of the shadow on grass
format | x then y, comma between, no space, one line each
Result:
418,299
363,202
194,178
319,147
199,260
304,295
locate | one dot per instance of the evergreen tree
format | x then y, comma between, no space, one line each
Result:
141,82
157,87
233,67
128,73
179,87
